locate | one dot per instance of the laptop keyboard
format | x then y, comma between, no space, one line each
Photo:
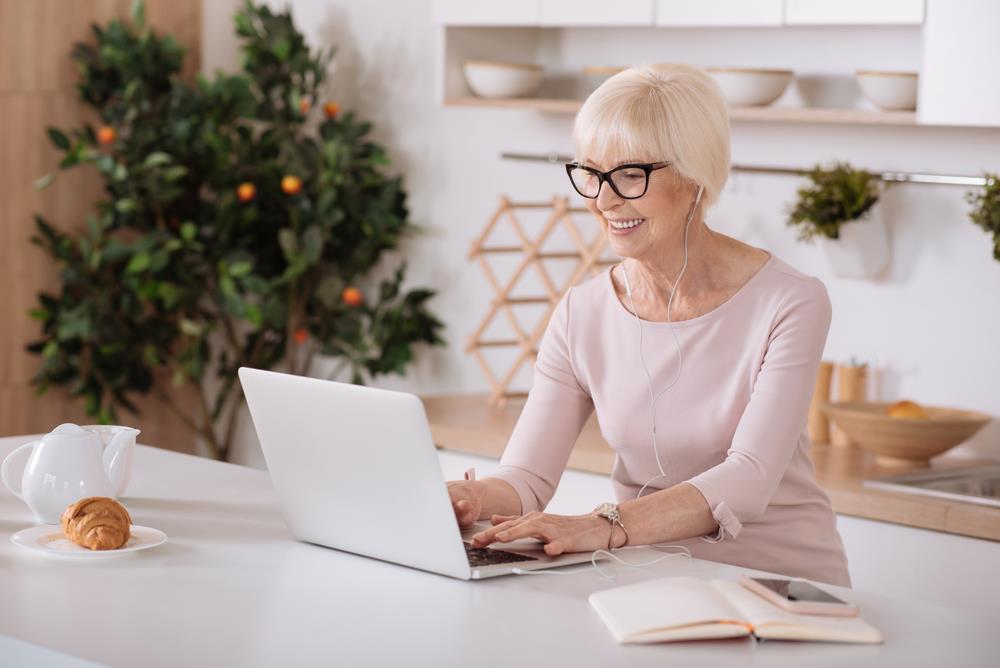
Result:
487,556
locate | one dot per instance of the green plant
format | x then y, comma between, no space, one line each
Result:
986,210
229,234
835,196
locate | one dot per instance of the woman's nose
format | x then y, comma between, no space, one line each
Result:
607,198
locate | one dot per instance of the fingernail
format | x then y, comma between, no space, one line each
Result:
502,535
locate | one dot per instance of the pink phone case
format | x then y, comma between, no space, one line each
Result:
800,607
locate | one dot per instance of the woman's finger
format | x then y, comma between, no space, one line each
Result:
488,536
535,528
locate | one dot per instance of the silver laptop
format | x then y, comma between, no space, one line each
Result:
355,469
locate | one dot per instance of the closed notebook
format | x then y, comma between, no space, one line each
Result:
688,608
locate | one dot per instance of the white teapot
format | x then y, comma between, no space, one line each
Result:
69,464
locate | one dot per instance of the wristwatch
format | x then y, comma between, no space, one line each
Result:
609,511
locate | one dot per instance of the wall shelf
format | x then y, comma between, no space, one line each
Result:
762,114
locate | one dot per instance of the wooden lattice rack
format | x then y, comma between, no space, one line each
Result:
588,254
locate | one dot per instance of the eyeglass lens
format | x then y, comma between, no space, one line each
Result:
628,181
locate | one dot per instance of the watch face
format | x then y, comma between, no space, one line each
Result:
607,510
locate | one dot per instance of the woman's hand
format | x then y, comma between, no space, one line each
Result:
560,533
467,499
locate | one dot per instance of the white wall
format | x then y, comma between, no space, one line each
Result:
931,322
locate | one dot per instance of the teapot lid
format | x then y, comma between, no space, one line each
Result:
68,430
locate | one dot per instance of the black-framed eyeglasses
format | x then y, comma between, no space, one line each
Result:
629,181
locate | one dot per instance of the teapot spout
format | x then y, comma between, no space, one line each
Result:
117,458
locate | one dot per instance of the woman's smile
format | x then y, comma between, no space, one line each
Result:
622,226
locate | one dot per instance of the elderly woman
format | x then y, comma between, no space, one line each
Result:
698,352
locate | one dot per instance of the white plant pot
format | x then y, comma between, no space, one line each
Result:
862,251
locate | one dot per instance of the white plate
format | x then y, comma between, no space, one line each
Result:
49,538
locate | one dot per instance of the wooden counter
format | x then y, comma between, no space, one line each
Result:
466,423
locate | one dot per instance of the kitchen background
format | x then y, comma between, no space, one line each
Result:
929,325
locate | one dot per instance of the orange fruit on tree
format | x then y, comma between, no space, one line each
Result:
291,185
305,104
300,336
352,296
331,109
106,135
246,191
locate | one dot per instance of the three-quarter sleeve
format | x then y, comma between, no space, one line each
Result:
557,407
740,488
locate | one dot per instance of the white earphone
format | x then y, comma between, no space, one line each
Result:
683,551
680,358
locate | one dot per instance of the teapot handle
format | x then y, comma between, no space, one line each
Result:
8,479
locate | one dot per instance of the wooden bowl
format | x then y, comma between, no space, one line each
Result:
903,441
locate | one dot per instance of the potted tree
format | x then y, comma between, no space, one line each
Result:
986,210
242,223
839,208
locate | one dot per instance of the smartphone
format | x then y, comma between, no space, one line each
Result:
799,596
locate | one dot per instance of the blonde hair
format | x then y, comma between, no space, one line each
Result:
653,113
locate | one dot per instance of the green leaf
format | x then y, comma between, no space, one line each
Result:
169,294
157,159
44,182
189,231
138,263
191,328
288,241
126,205
239,269
227,286
312,244
58,139
175,173
243,27
138,14
254,316
281,49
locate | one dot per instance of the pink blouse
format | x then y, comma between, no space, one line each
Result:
733,425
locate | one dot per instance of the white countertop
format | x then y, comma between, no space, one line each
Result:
230,587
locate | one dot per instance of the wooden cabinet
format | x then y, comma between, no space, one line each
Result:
596,12
959,80
854,12
723,13
477,13
951,43
677,13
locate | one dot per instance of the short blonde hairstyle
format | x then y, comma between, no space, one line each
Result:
653,113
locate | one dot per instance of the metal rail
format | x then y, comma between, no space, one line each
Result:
889,177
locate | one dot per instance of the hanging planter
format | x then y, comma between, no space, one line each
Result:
986,210
839,208
862,251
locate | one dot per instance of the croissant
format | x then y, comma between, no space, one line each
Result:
97,523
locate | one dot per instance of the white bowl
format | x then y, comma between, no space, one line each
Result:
494,79
890,91
745,87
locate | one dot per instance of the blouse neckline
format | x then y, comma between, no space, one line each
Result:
711,315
